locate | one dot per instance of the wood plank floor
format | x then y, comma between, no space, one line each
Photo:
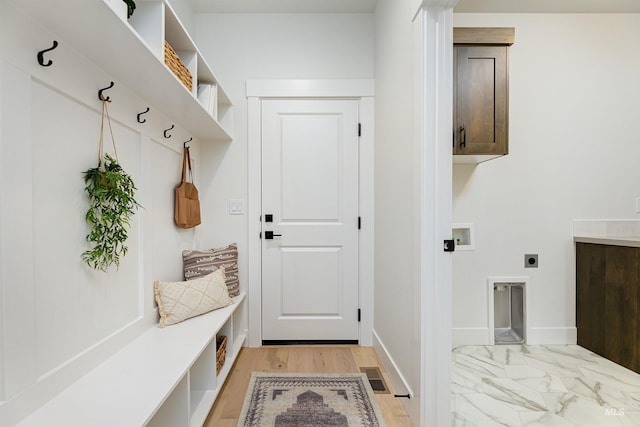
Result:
299,359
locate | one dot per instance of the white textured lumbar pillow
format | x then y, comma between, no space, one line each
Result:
178,301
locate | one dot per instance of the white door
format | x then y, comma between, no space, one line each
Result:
310,191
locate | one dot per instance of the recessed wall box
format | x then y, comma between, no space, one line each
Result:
463,235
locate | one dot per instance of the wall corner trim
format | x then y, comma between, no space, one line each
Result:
442,4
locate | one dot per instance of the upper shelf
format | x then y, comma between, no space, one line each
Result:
135,56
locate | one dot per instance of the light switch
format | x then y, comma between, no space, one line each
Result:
236,207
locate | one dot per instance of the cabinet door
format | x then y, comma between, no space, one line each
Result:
621,305
590,296
607,281
480,113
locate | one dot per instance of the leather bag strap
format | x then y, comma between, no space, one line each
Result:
184,165
186,161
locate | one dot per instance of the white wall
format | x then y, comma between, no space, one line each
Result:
241,47
59,317
573,155
397,316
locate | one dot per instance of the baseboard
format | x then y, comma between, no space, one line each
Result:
542,336
537,336
470,336
394,375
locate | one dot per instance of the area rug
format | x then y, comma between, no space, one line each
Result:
310,400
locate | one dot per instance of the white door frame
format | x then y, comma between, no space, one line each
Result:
362,90
434,83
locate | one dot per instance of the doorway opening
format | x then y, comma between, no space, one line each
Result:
300,306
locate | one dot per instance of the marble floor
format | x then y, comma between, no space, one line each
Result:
518,385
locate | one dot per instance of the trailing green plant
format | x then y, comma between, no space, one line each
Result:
112,203
131,6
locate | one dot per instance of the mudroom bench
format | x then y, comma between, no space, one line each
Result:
166,377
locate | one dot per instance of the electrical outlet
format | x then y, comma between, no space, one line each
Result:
531,261
637,204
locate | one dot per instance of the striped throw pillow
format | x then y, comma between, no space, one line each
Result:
200,263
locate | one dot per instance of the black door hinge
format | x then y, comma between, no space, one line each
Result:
359,313
359,129
359,223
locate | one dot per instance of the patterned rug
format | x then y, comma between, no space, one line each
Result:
310,400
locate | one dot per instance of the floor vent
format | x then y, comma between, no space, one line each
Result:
375,379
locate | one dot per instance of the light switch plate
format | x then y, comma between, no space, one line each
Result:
236,207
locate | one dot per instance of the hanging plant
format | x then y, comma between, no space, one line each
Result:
131,6
112,204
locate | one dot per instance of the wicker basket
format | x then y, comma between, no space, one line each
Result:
176,65
221,352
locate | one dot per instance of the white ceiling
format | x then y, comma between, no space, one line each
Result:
368,6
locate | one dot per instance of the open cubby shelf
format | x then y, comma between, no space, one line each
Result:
132,52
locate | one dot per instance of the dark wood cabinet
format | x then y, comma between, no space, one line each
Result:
481,92
481,100
607,282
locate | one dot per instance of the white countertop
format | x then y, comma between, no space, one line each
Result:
611,240
616,232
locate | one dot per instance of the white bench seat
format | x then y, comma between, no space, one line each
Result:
166,376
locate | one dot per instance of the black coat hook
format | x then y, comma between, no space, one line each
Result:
186,142
102,98
144,112
42,52
167,130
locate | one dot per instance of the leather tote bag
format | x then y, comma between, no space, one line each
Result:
187,207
